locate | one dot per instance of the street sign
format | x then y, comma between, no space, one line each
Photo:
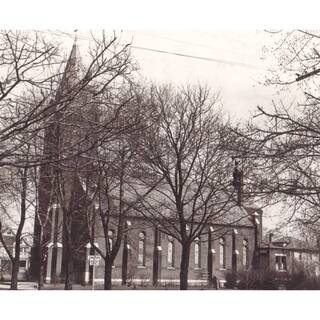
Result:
94,260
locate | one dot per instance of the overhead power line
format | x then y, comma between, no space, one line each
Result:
229,62
194,44
235,63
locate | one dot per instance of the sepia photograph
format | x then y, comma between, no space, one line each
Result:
152,158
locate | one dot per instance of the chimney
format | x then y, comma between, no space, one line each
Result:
238,182
270,237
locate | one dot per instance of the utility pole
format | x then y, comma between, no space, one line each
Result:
93,273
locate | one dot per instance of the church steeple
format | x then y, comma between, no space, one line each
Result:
71,74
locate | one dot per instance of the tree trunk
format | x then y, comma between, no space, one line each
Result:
23,208
68,255
124,261
14,273
41,275
107,274
155,268
41,261
184,266
68,281
68,265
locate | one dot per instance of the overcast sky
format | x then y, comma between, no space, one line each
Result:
239,92
231,62
235,65
234,69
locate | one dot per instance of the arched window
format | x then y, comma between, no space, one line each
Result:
197,253
222,253
110,239
245,254
142,249
170,252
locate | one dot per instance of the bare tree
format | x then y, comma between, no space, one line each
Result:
282,140
109,200
185,151
61,104
296,57
87,108
112,205
28,69
20,185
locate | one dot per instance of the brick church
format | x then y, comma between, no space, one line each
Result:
145,256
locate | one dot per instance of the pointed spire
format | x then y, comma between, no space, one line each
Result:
71,73
73,63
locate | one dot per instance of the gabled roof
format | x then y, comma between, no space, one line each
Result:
293,243
237,216
9,237
289,243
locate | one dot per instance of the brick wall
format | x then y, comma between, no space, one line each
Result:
144,274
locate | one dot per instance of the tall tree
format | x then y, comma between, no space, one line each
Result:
19,188
283,139
184,150
108,182
86,114
61,104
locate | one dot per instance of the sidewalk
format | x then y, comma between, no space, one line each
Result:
28,285
21,285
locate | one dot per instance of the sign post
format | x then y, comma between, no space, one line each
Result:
94,261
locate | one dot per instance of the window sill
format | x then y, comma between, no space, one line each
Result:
223,269
171,268
141,267
282,270
197,268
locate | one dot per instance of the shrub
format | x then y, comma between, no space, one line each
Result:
231,281
252,280
301,280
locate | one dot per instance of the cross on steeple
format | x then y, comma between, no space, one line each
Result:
75,35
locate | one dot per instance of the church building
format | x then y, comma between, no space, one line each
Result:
146,256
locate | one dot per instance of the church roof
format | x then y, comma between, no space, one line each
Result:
236,216
227,213
289,243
